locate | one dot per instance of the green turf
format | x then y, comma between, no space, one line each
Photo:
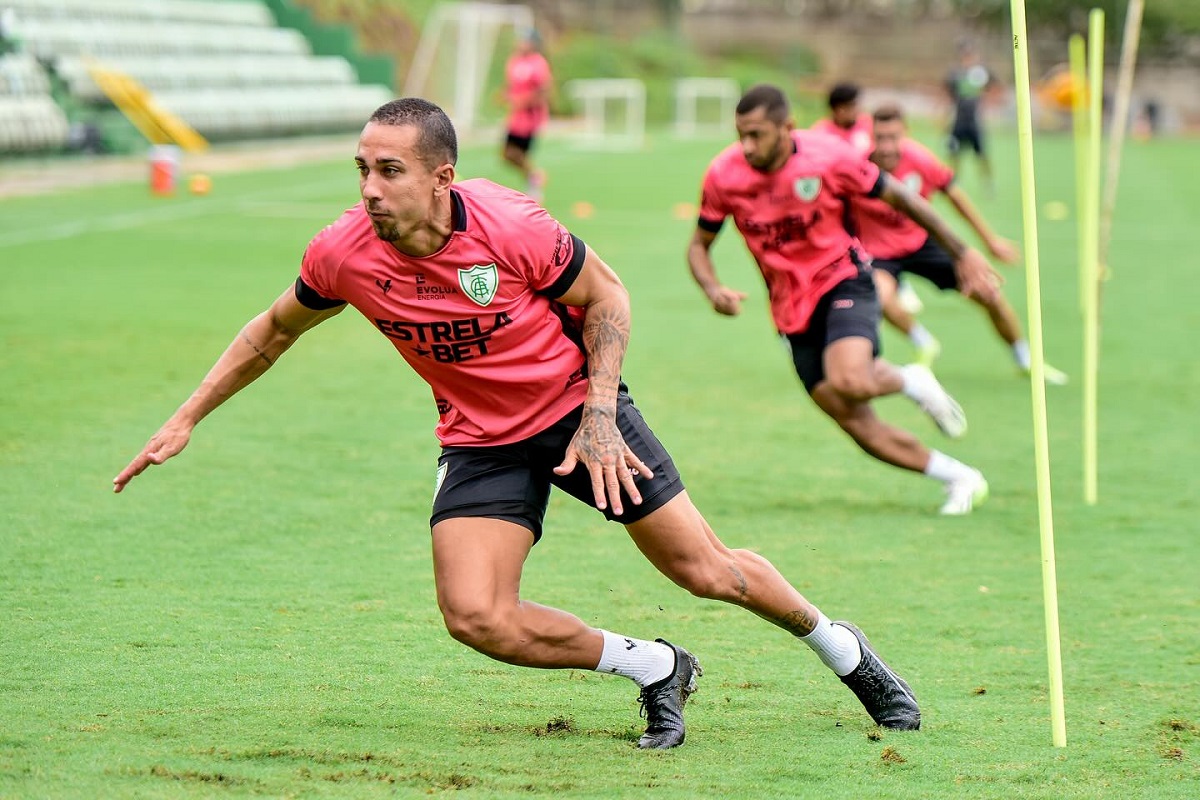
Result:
258,618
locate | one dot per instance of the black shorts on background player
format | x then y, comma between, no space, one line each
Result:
851,308
970,137
512,481
522,143
930,261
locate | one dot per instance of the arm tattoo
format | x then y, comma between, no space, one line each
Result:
261,354
798,623
606,337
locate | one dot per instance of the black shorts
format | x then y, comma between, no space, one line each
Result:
851,308
522,143
931,262
512,481
970,136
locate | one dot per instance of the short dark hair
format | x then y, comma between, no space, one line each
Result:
842,93
888,113
437,143
768,97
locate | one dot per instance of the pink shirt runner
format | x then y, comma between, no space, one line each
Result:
887,233
860,136
527,76
476,319
792,219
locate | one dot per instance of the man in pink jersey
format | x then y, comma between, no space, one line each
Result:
844,120
520,330
787,192
898,245
527,77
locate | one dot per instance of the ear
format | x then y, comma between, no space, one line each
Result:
789,124
443,177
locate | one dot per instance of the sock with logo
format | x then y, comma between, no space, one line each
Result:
642,662
836,646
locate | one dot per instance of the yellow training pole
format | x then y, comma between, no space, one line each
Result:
1116,138
1091,240
1079,118
1037,373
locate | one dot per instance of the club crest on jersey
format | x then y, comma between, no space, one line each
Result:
913,181
479,283
807,189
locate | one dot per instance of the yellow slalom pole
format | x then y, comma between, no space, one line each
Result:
1037,373
1079,118
1112,167
1091,240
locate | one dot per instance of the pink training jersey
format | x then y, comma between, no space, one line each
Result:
860,135
887,233
477,319
792,219
528,76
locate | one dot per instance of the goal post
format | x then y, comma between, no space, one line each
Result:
693,93
457,53
614,112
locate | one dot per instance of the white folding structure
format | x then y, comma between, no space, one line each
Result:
597,95
474,28
688,94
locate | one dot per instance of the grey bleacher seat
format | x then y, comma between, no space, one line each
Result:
21,74
274,110
31,123
228,13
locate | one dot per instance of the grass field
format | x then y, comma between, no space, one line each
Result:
258,617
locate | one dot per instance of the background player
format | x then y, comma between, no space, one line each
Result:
528,80
523,349
787,191
844,120
898,245
966,85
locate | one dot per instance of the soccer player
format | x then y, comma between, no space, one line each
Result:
528,79
520,330
787,191
855,128
844,120
899,246
966,85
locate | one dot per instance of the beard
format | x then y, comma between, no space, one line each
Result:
385,229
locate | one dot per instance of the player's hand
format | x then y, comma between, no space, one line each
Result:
727,301
976,278
169,440
1004,250
599,446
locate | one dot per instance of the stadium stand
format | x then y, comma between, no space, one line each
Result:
223,67
30,120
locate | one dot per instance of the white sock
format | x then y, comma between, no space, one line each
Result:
912,388
642,662
836,646
943,468
1020,351
920,336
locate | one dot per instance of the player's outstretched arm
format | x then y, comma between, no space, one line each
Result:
724,300
976,278
997,246
598,443
252,352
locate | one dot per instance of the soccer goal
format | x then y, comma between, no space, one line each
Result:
705,105
614,112
456,60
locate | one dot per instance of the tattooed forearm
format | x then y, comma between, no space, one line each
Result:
918,209
742,584
606,337
801,622
257,349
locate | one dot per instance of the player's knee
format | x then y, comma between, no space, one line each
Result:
478,627
853,386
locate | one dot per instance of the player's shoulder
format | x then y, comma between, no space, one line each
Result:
484,198
344,235
729,161
914,151
823,146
